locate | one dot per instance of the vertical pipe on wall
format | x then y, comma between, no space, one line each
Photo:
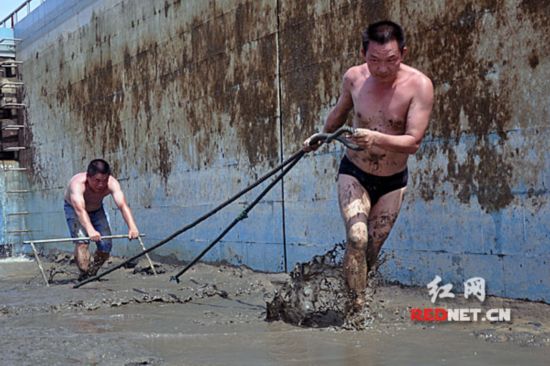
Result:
280,117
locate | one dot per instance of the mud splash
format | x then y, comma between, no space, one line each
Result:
316,295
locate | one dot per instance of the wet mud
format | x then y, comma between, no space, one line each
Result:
316,295
217,315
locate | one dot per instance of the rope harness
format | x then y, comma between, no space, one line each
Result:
285,167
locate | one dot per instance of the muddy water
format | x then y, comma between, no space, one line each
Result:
216,316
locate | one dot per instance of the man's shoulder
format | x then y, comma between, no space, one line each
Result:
77,184
113,179
355,71
415,76
354,75
418,85
113,184
78,178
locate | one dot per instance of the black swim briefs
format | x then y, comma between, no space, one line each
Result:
375,185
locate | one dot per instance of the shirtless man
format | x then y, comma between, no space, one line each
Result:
391,105
86,217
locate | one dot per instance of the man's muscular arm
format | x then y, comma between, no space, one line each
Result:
76,195
120,201
339,113
418,117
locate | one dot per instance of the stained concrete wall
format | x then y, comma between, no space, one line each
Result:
193,100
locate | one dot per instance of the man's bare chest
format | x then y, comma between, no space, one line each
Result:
94,199
381,111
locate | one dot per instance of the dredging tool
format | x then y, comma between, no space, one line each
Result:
64,240
284,168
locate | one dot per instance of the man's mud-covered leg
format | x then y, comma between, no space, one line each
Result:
381,220
99,258
355,206
355,264
82,258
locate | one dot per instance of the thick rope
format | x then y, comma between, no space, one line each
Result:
320,138
243,215
294,157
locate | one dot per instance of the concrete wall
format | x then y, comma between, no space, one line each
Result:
193,100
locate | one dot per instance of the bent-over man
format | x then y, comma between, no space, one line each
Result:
86,216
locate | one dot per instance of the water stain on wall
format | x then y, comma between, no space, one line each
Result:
233,77
312,40
210,80
96,101
473,101
206,90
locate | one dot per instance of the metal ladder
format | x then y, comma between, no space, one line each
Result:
12,143
14,212
12,110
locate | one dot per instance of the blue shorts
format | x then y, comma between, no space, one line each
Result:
99,221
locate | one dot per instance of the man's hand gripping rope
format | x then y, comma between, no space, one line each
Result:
315,141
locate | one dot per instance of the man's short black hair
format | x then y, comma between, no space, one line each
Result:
98,166
383,32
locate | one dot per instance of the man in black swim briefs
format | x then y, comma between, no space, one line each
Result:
391,104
